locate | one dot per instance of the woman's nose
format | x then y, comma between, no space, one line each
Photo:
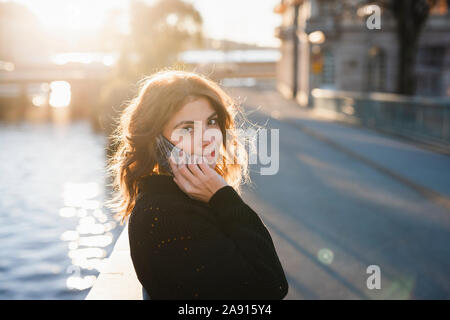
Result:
207,141
205,144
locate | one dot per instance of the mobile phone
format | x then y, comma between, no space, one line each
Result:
165,149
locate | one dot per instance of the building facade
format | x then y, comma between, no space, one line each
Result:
339,47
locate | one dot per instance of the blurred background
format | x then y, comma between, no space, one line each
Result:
363,114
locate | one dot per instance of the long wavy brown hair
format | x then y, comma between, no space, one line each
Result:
159,97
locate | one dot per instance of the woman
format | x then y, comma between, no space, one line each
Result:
191,234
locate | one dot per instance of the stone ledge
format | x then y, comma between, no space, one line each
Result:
117,280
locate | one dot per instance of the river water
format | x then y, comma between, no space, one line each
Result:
55,231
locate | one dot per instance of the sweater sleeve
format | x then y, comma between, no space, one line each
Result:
181,254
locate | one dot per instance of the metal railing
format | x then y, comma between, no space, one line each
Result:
422,118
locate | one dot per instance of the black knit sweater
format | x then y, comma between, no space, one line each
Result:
186,249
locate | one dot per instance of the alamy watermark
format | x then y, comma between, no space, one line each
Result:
373,20
261,147
374,280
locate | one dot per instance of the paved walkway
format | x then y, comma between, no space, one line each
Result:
346,198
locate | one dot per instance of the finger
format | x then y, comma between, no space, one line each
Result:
186,174
194,168
174,166
182,182
206,170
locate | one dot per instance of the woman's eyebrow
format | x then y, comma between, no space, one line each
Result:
212,115
192,121
184,122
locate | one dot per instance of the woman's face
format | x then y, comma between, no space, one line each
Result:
195,129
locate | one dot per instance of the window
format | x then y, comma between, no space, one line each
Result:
431,57
376,69
328,68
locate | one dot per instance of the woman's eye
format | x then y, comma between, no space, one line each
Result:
213,122
189,129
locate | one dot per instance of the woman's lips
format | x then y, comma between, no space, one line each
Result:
213,153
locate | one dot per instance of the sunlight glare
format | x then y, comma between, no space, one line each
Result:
60,94
80,283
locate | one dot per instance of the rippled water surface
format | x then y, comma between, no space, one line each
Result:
55,232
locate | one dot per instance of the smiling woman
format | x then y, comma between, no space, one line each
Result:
191,235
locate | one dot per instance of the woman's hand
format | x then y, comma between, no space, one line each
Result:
197,180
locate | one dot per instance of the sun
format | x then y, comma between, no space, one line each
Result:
73,15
